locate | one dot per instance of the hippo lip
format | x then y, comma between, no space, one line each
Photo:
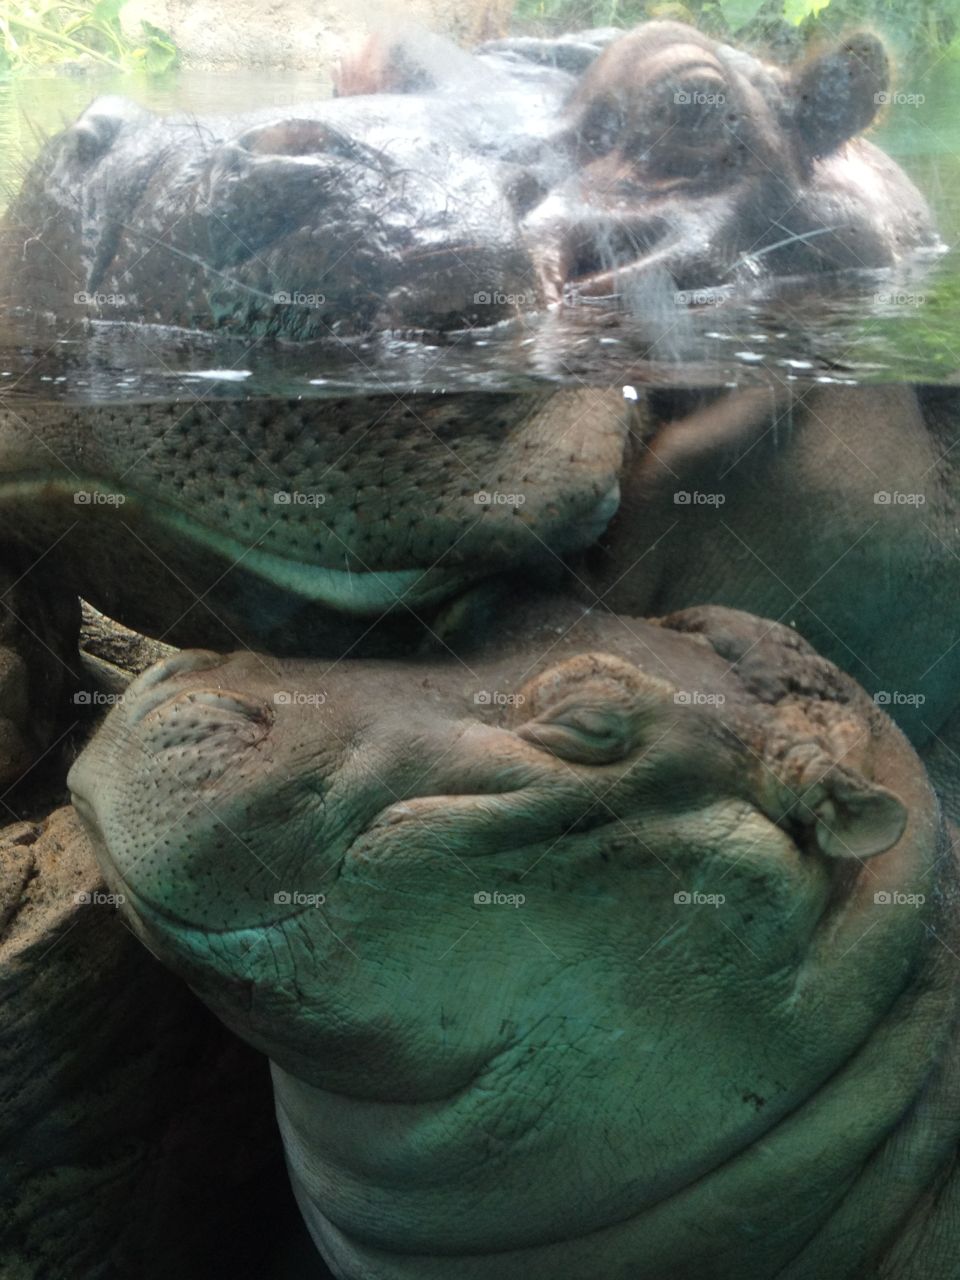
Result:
366,593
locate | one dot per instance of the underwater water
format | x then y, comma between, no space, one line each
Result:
671,891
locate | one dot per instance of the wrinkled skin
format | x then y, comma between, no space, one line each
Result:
385,210
498,179
832,510
696,162
602,1081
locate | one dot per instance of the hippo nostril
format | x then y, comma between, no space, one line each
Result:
299,138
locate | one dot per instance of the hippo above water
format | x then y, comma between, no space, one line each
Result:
612,951
491,190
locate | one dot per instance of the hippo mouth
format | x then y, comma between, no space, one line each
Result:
367,593
363,594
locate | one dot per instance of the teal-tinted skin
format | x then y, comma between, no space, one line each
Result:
603,951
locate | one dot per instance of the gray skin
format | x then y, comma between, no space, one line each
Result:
702,165
205,224
832,510
498,180
603,1082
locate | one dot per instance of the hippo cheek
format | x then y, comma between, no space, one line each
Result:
172,792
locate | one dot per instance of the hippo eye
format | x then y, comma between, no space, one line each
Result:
685,128
583,733
602,126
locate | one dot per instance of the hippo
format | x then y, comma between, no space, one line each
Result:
494,184
828,508
610,948
704,165
340,524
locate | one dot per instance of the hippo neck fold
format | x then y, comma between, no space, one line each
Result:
865,1161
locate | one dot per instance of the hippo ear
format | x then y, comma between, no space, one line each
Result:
856,818
838,93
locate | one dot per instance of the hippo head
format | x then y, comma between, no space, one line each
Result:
700,162
622,924
318,220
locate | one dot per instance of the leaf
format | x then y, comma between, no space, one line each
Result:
160,53
107,12
737,13
796,11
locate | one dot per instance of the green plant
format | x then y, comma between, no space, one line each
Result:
920,28
34,36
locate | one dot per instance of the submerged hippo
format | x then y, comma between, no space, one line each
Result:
616,950
831,509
